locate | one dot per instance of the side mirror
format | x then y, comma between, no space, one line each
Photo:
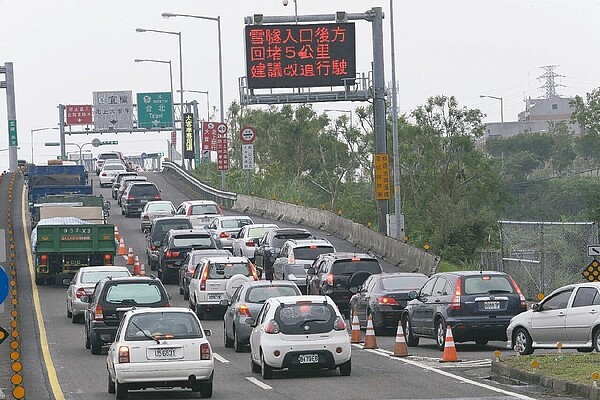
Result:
208,332
225,303
107,205
311,271
256,240
251,322
67,281
354,290
85,299
537,307
413,294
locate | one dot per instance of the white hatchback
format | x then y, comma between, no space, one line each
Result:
109,173
299,333
162,347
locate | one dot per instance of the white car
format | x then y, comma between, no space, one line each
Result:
153,210
214,277
299,332
200,212
83,284
109,172
245,241
160,347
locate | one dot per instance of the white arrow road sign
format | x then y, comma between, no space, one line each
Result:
594,251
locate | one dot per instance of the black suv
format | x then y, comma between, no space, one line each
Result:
136,196
335,274
158,230
117,182
477,305
111,299
270,245
176,245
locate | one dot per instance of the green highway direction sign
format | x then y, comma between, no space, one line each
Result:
155,110
12,132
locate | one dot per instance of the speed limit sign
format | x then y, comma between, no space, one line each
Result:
221,128
248,134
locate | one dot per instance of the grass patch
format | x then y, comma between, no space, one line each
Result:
569,367
446,266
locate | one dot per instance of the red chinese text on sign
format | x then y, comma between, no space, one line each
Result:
222,153
80,114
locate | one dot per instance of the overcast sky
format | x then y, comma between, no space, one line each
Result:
64,50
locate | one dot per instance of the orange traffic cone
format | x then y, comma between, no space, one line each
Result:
117,234
355,336
130,256
370,339
400,349
136,266
449,348
122,250
142,270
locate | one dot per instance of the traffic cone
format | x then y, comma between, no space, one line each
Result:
136,266
355,336
122,250
370,339
400,349
130,256
117,234
449,348
142,270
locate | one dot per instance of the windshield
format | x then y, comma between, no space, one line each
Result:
487,284
305,317
403,283
132,293
204,209
260,294
95,276
161,228
227,270
259,232
311,253
175,325
114,167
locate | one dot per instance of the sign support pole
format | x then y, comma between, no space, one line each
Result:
61,124
11,109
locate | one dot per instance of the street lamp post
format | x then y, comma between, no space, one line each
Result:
80,146
138,60
38,130
180,84
207,100
501,111
222,110
343,111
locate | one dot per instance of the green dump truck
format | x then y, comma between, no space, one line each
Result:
64,244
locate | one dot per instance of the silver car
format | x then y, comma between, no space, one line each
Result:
246,239
225,228
153,210
83,284
569,315
245,303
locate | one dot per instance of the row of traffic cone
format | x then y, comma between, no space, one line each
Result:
138,269
400,347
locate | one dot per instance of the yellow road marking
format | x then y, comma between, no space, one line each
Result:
54,384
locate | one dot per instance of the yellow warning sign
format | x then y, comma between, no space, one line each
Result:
592,271
382,176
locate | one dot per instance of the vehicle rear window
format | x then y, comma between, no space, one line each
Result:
114,167
204,209
159,207
481,284
227,270
260,294
311,253
192,240
296,318
133,293
279,240
234,223
106,156
143,190
403,282
259,232
167,324
95,276
161,228
347,267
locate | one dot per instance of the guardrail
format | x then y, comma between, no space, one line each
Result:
408,258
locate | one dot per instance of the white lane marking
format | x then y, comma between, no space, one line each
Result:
451,375
219,358
259,383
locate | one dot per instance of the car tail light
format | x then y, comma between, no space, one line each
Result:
80,293
455,300
153,247
103,174
330,279
244,310
108,259
205,351
523,304
172,253
204,277
130,197
43,259
223,235
339,324
387,301
250,243
253,271
272,327
123,354
146,218
98,313
157,197
291,259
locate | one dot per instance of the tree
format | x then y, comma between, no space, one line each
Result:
587,112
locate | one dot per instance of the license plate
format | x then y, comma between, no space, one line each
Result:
143,201
491,305
164,354
214,296
308,358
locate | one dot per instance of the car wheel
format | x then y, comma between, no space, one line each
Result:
87,340
69,313
228,342
522,342
597,340
122,212
411,339
199,313
181,291
254,366
206,390
186,294
346,368
121,390
160,274
153,265
76,318
481,342
265,369
238,346
95,347
440,334
111,385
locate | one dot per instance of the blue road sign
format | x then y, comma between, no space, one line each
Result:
3,284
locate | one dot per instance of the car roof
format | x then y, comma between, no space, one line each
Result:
141,183
198,202
339,255
167,219
401,274
160,202
233,217
209,252
147,310
134,279
259,225
280,231
268,283
471,273
295,299
226,259
309,242
104,268
193,231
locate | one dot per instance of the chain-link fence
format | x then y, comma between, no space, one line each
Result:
543,256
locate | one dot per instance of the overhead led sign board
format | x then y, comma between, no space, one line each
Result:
290,56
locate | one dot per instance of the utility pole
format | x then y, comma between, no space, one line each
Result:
11,108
